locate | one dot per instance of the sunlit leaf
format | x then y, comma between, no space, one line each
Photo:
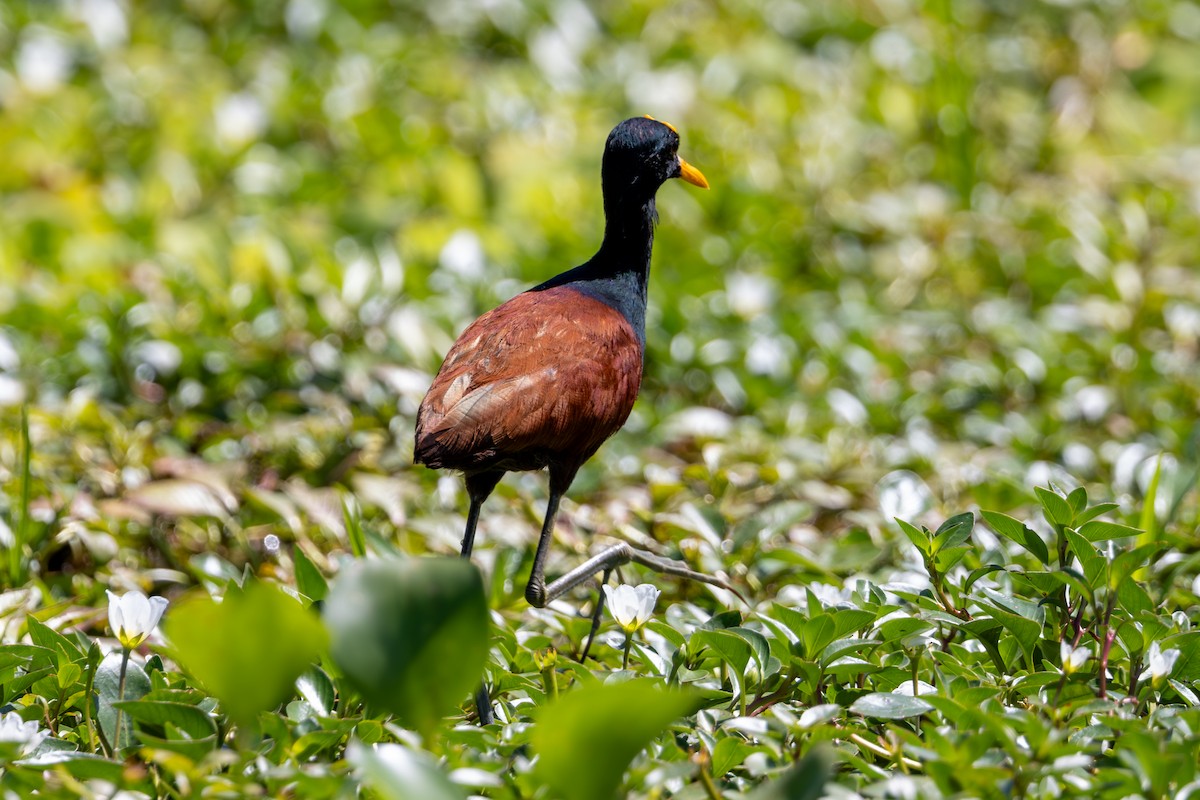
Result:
396,772
586,740
410,635
884,705
248,649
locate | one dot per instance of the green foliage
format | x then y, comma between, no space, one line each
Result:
920,377
247,649
411,636
395,772
585,741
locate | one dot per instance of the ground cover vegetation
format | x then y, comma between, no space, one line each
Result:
921,381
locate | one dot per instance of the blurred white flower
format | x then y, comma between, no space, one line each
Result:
1161,664
848,408
44,60
903,495
133,616
1073,657
631,606
18,737
240,119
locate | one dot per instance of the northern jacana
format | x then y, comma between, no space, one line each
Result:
542,380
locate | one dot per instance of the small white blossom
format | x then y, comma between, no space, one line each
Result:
133,616
1073,657
1161,664
18,737
631,606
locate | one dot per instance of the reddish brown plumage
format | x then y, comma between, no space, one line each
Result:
543,379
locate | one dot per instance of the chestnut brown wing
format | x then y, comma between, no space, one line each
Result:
546,377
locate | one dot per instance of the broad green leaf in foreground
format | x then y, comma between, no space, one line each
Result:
805,780
586,740
412,635
248,649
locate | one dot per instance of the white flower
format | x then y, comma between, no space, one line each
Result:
133,616
1073,657
1161,664
631,606
18,737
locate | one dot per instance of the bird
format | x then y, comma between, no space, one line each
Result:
541,381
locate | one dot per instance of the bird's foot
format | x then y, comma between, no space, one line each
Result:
535,593
621,553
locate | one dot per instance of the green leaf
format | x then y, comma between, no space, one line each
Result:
1018,532
804,780
354,530
918,536
1126,564
947,558
976,574
309,580
1055,507
396,772
1023,619
81,766
760,648
1187,668
317,690
729,753
817,633
248,649
1077,500
885,705
411,635
953,531
192,721
585,741
727,646
108,692
1100,531
1148,521
1094,565
1095,511
848,620
43,636
1133,598
893,630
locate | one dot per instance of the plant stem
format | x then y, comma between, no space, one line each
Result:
628,644
550,681
88,724
21,532
710,788
1110,634
120,697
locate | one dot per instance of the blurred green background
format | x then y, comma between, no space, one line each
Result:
956,238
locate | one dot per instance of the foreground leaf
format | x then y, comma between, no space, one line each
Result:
247,650
586,740
805,780
412,636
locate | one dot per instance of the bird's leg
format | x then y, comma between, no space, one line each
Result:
623,553
595,618
535,590
478,488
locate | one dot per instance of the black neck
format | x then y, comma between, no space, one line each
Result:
617,275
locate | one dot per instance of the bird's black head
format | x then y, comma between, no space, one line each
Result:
641,154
